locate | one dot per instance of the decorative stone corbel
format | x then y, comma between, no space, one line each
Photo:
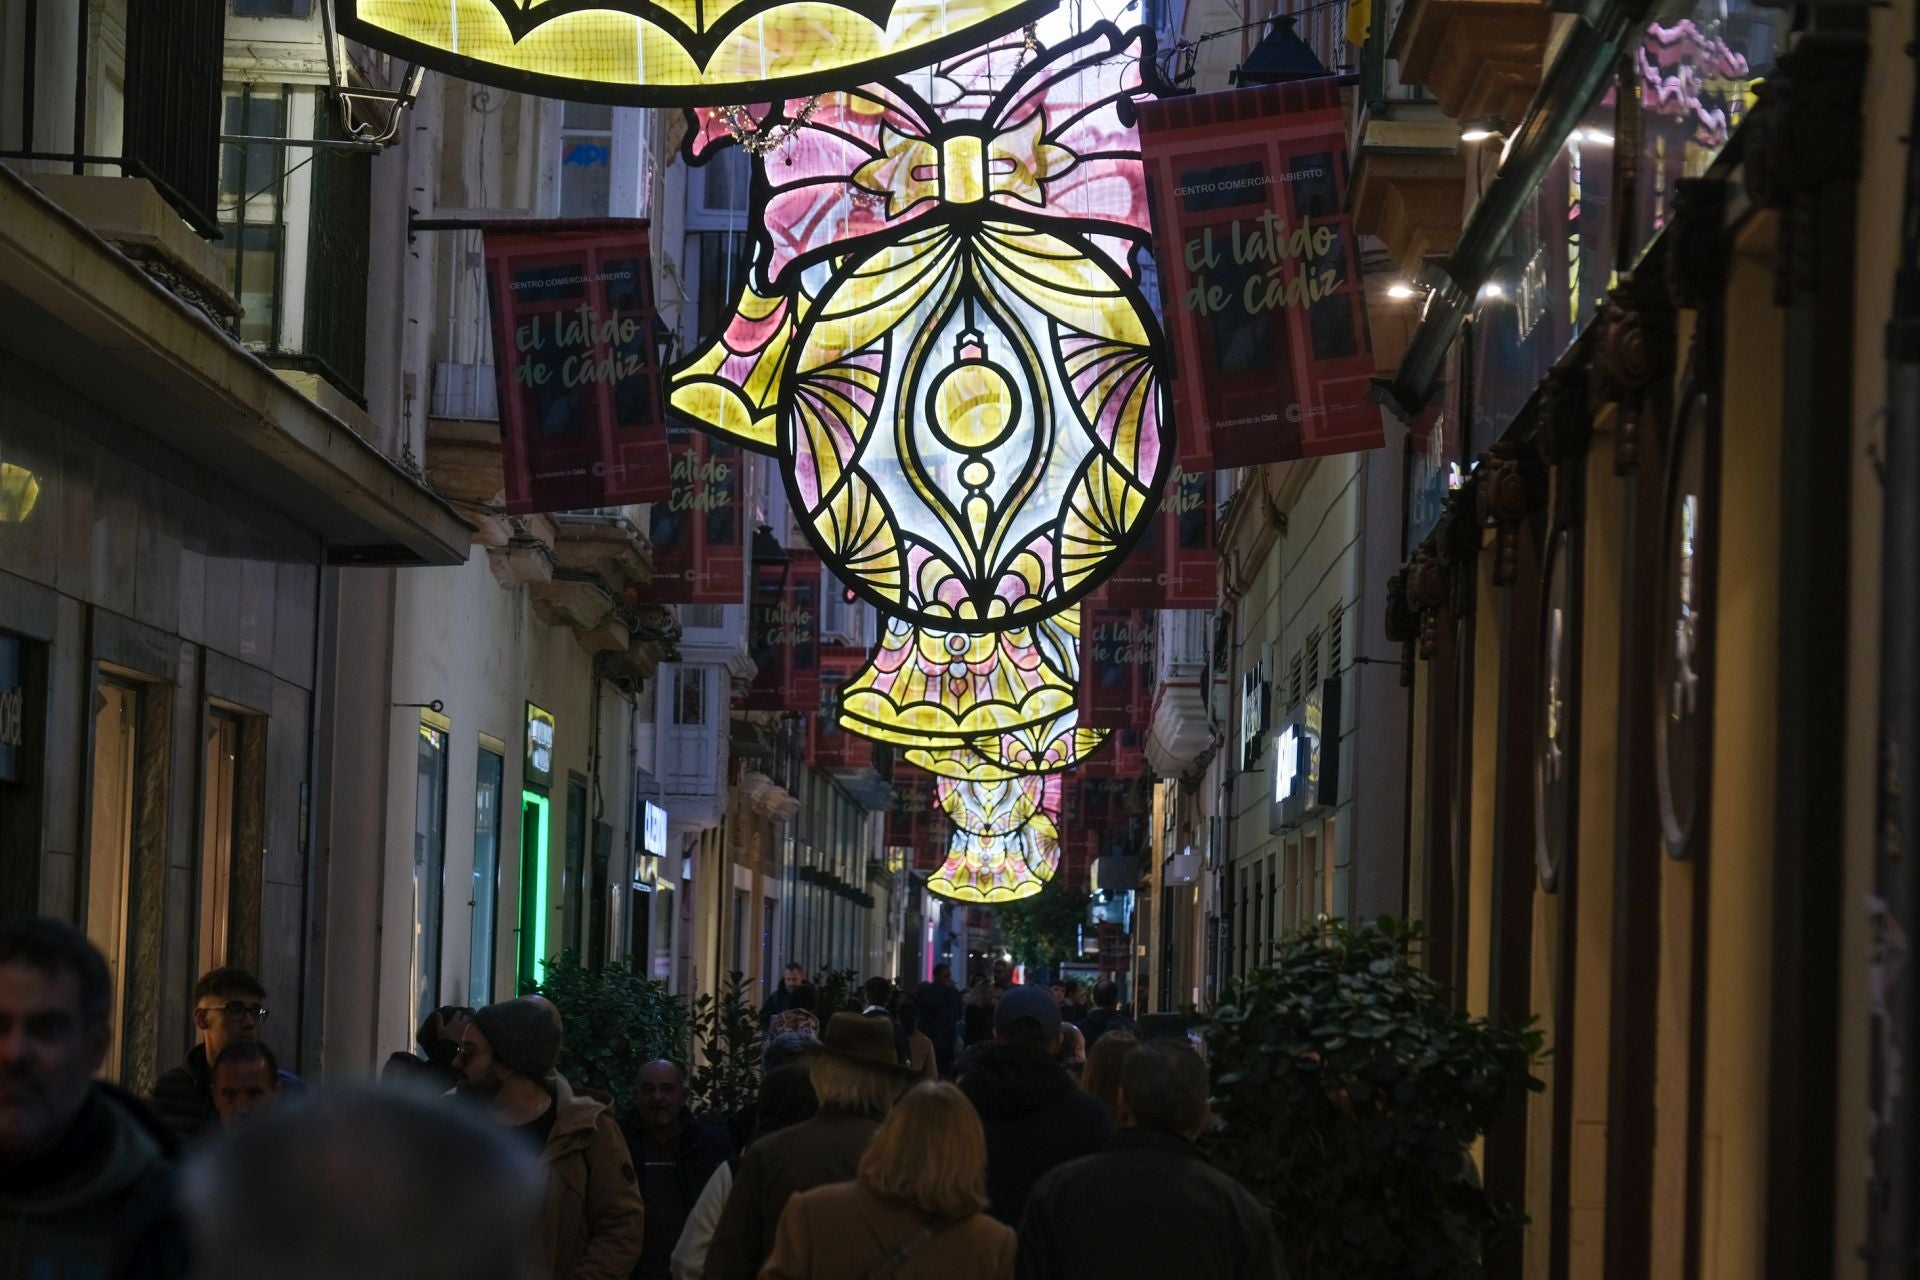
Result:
1429,587
1512,488
1635,355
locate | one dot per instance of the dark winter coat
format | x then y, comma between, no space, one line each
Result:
1101,1021
111,1214
1147,1206
940,1014
810,1154
594,1220
697,1152
183,1097
1036,1119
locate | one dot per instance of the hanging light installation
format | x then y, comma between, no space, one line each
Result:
941,689
1059,744
998,808
992,869
944,338
676,52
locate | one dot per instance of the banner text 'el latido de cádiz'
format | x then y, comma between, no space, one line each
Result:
582,421
1260,272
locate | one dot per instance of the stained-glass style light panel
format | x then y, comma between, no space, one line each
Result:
999,808
998,869
963,763
928,688
676,52
967,406
1061,743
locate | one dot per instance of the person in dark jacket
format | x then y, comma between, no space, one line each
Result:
1036,1118
439,1040
86,1177
879,996
1106,1015
782,999
940,1013
228,1004
856,1075
675,1153
1183,1216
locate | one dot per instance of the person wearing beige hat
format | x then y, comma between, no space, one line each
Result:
593,1219
857,1075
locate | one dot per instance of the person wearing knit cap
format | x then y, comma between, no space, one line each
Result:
593,1219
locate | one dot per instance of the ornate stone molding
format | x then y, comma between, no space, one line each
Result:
1634,357
1476,57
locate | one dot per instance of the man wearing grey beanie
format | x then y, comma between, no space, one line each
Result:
592,1221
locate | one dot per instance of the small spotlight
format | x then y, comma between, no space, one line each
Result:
1483,129
1401,291
1492,290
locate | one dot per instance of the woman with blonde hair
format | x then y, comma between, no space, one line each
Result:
915,1211
1104,1063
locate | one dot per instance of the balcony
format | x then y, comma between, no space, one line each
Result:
1180,735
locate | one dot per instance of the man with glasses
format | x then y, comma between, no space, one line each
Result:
229,1005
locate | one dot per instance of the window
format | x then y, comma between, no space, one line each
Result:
429,865
1293,680
252,192
490,778
574,874
1273,905
720,188
272,8
703,617
689,695
1335,640
1313,660
720,260
110,839
221,767
586,160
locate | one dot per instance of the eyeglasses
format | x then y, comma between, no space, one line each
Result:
236,1010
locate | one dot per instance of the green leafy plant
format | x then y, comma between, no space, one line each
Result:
617,1020
1349,1091
1043,931
833,991
726,1073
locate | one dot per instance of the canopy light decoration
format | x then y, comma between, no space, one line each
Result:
676,52
941,689
944,336
1061,743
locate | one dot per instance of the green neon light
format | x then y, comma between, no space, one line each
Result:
536,928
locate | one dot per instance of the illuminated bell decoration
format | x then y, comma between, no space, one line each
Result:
676,52
998,869
926,688
962,763
998,808
968,407
1047,748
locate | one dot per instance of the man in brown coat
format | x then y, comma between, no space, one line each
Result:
592,1224
856,1075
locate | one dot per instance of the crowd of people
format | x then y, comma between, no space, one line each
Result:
1007,1130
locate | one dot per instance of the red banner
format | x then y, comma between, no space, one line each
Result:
1176,563
699,549
783,634
1260,272
581,414
1116,665
915,821
829,746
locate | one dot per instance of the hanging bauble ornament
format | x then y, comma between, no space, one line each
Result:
927,688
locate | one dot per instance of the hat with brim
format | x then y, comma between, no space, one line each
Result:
868,1041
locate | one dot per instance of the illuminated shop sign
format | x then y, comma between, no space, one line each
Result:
539,762
654,829
1306,769
1255,714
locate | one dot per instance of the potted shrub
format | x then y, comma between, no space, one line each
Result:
617,1020
726,1075
1349,1092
